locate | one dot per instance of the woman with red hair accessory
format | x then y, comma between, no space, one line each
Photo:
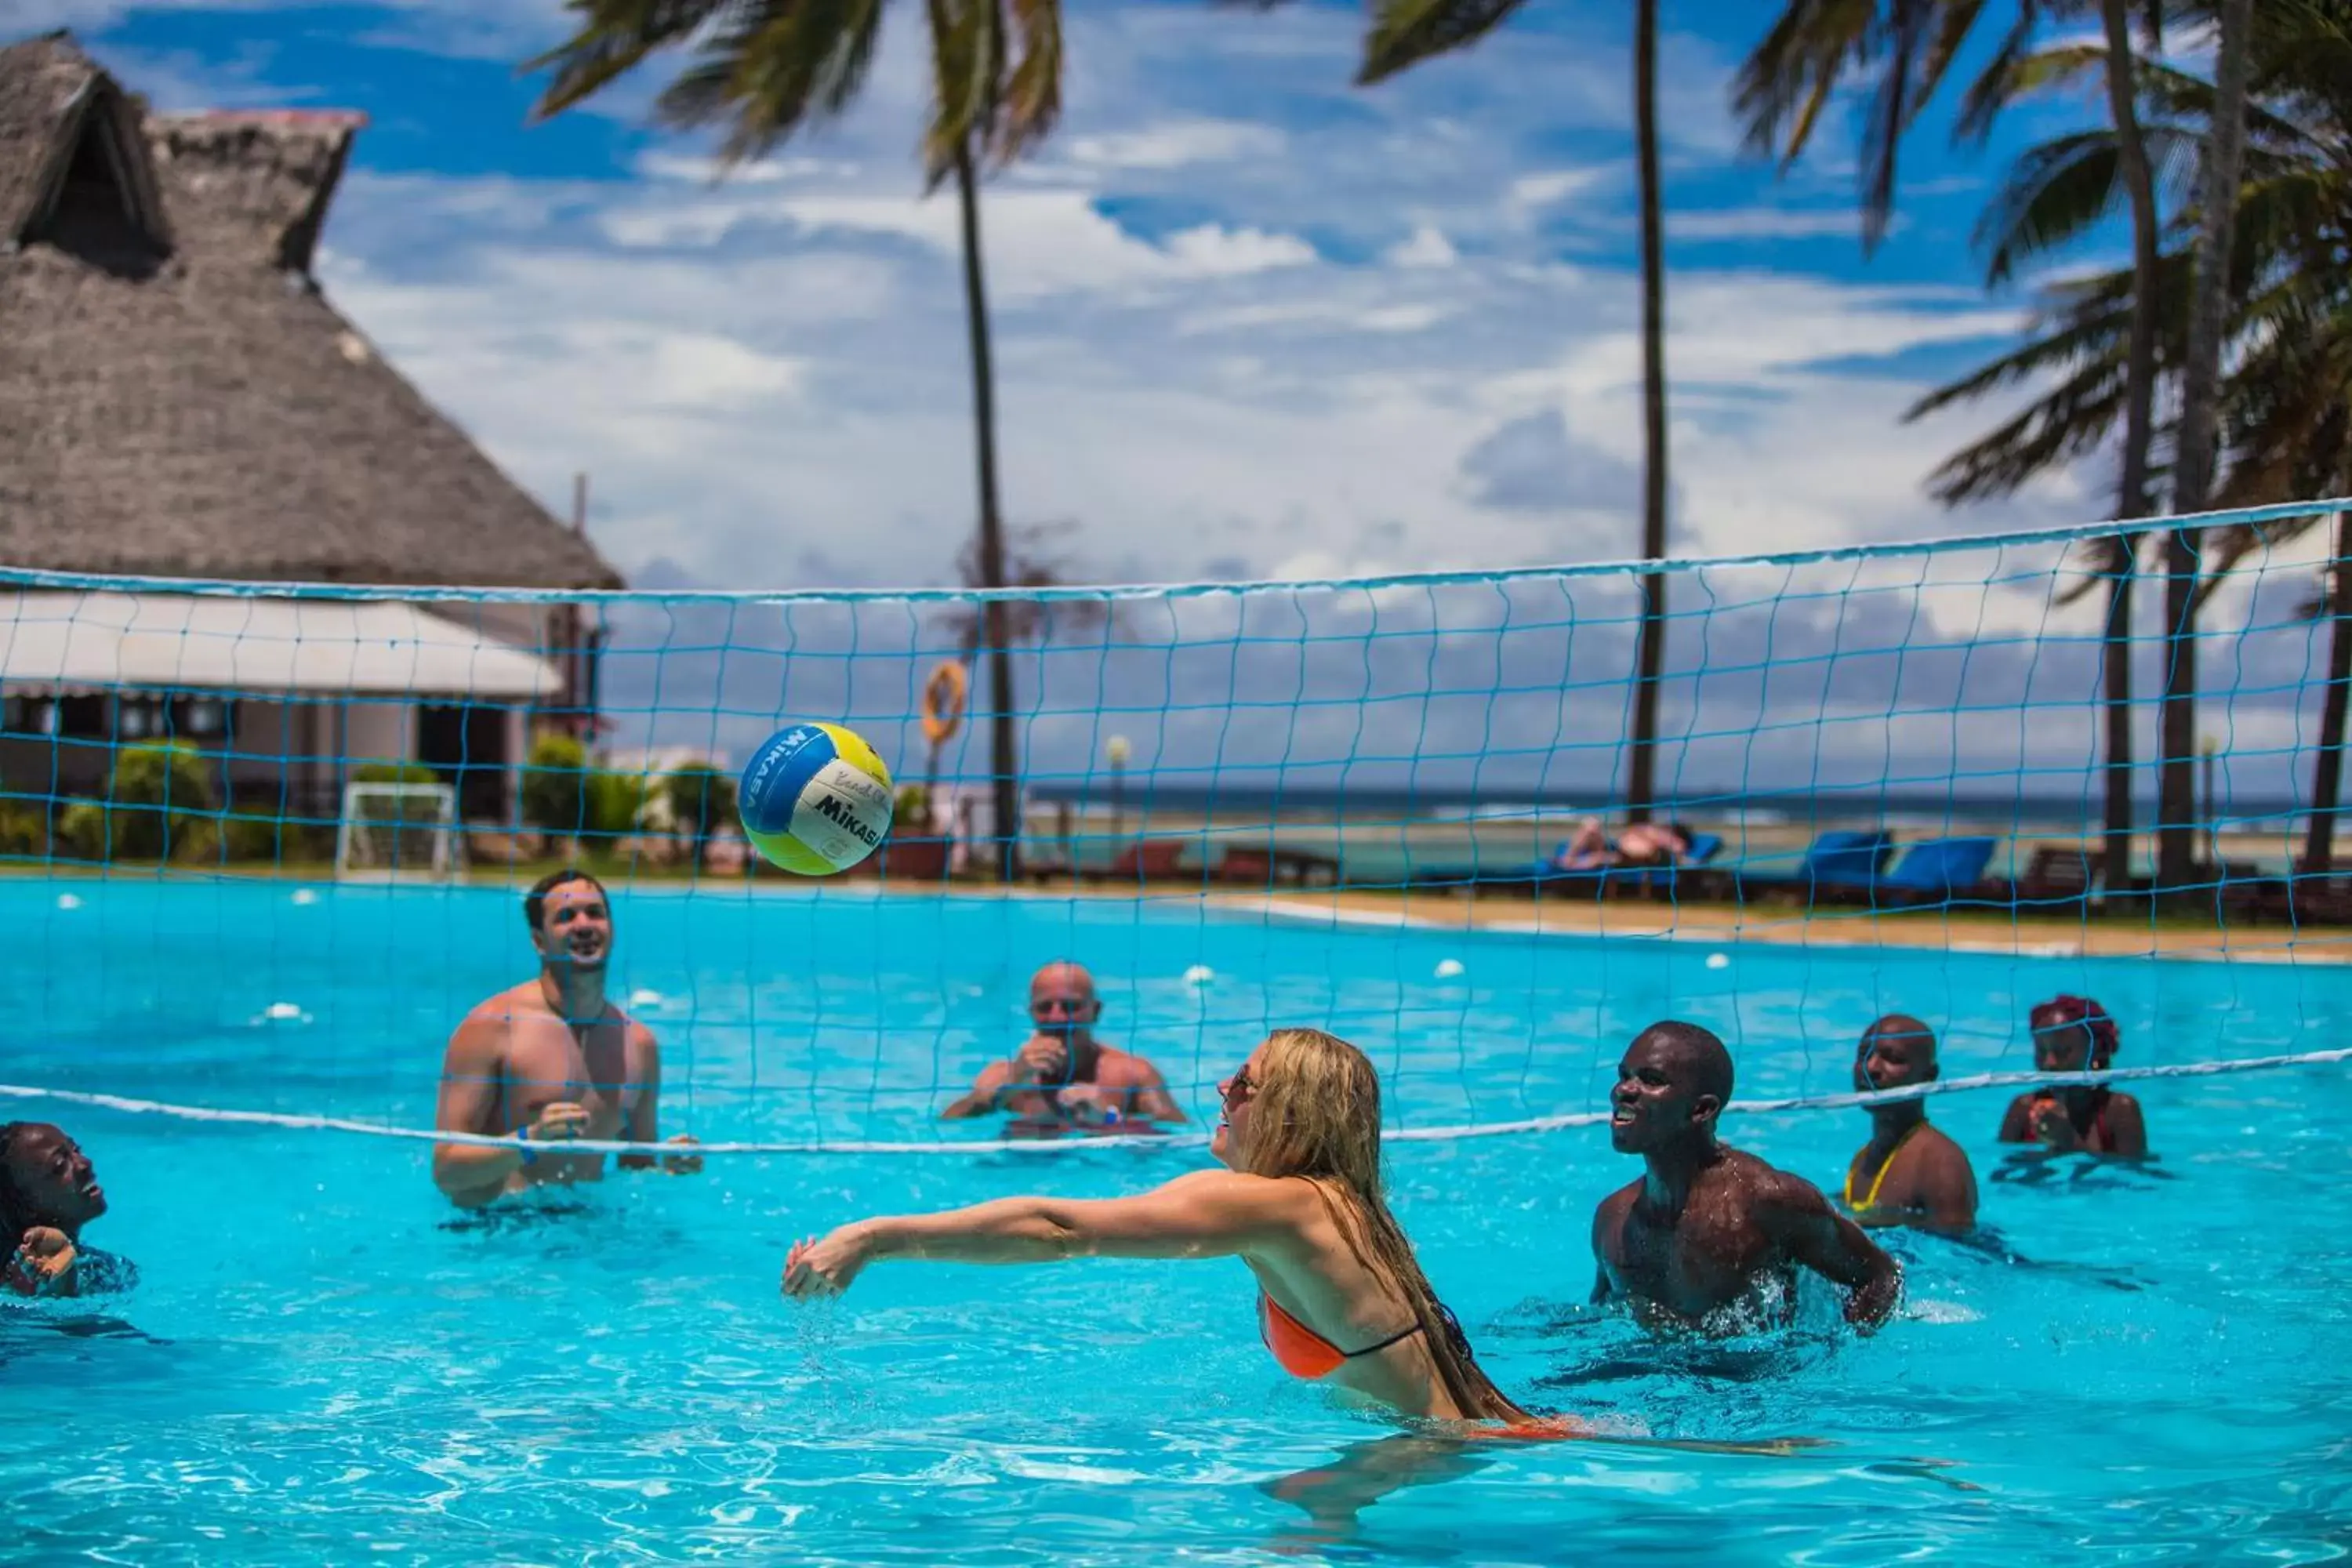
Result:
2074,1033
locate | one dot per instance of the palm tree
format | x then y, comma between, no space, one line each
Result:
2286,406
1780,94
766,69
1640,775
1406,32
2291,400
2194,462
1000,624
1910,46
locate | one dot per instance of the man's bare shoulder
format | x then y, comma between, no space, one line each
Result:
1939,1147
1611,1210
1120,1069
501,1008
1772,1186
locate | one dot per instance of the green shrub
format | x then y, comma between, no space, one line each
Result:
396,772
910,810
162,794
265,839
21,830
614,801
555,785
81,831
700,797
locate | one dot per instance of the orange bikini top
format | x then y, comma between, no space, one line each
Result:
1303,1353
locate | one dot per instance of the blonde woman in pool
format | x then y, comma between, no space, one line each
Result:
1340,1296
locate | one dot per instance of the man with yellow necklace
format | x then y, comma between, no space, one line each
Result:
1909,1173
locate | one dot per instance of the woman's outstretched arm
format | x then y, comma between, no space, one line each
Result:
1208,1214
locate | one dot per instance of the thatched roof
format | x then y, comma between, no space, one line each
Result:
176,398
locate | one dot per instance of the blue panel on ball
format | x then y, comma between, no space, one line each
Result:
776,775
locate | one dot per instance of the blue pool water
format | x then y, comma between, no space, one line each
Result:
321,1364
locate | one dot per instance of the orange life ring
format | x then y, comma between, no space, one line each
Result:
943,700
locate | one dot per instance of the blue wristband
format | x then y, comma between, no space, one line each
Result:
528,1154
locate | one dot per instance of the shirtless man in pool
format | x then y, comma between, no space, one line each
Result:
1706,1226
552,1059
1063,1077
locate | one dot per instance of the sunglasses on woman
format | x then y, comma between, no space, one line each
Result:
1240,1089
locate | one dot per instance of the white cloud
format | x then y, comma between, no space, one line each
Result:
1177,144
1767,223
1427,248
1534,193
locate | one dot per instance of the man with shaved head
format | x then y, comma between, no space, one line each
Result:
1708,1228
1909,1173
1064,1078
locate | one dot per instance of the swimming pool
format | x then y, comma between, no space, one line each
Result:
322,1362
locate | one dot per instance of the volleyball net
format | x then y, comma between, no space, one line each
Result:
265,845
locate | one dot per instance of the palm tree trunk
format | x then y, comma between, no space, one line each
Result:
2116,677
2139,405
2200,374
1003,763
2327,768
1640,786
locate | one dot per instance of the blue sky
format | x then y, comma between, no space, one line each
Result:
1252,321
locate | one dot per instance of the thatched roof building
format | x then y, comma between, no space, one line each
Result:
176,396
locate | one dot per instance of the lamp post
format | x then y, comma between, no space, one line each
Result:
1115,752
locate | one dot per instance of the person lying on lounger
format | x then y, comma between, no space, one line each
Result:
1641,844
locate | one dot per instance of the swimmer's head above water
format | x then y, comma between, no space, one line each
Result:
1673,1082
2073,1033
571,921
44,1180
1305,1104
1895,1052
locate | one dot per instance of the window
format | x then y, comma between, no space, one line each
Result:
202,718
83,719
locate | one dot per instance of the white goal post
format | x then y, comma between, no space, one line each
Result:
398,831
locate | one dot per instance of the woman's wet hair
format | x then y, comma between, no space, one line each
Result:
1316,1113
16,1212
2061,1011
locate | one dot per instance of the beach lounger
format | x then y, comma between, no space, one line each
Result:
1687,877
2310,897
1839,866
2056,875
1540,878
1273,866
1937,871
1145,860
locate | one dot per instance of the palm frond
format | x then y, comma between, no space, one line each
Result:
612,38
1407,32
967,66
1033,93
773,69
1031,562
1902,91
1998,85
1786,79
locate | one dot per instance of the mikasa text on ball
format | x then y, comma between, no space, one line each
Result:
816,799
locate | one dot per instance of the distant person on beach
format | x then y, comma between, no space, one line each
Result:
48,1192
1062,1078
553,1060
1641,844
1709,1237
1909,1173
2074,1033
